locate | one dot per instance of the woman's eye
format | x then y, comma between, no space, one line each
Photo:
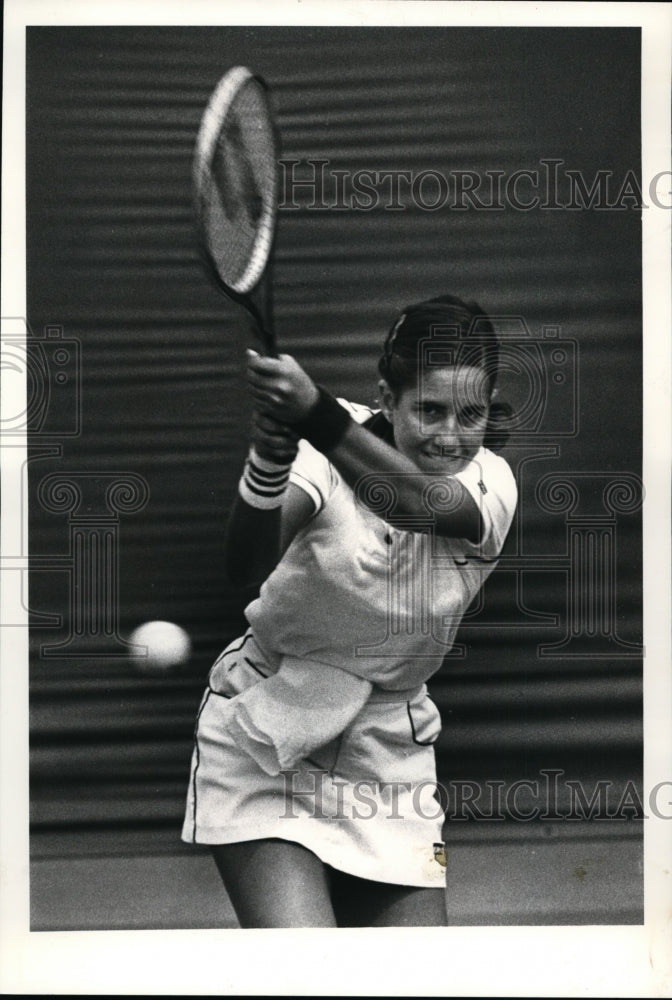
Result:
431,412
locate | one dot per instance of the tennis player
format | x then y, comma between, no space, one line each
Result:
313,775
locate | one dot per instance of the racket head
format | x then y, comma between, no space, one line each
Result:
235,178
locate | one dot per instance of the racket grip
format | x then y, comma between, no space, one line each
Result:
268,340
263,327
263,331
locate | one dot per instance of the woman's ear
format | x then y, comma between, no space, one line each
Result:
386,400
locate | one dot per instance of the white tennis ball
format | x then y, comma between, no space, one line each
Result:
162,645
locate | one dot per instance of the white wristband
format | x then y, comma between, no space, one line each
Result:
263,482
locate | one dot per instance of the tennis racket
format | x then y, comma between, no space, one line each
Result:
235,178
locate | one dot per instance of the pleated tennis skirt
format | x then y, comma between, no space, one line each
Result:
366,803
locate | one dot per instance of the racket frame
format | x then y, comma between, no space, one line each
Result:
258,268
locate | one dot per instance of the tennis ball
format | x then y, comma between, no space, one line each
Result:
161,646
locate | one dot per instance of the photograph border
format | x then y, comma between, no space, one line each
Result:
488,961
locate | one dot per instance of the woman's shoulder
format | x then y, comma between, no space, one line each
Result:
358,411
372,419
495,471
495,464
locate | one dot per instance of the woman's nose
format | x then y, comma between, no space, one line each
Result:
446,434
449,427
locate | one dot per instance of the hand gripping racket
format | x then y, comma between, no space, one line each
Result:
236,192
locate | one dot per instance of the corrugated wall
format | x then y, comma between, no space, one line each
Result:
113,271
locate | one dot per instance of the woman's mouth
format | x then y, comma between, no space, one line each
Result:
442,455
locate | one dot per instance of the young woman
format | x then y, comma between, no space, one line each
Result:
313,775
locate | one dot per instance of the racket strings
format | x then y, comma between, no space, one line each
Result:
238,187
234,178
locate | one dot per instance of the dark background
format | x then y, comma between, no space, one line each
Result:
111,121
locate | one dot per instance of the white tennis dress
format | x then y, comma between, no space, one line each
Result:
316,725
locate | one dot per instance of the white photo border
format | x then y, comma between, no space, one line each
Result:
628,961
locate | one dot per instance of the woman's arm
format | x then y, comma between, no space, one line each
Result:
256,539
363,460
282,389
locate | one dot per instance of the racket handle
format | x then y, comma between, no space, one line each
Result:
270,345
267,338
266,309
261,322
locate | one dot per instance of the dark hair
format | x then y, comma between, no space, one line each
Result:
453,332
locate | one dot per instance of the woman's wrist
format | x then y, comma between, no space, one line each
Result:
264,481
325,424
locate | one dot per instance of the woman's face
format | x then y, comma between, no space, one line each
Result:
439,423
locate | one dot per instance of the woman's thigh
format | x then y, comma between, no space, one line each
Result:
275,883
359,902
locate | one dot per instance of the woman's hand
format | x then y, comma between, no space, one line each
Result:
280,387
273,441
